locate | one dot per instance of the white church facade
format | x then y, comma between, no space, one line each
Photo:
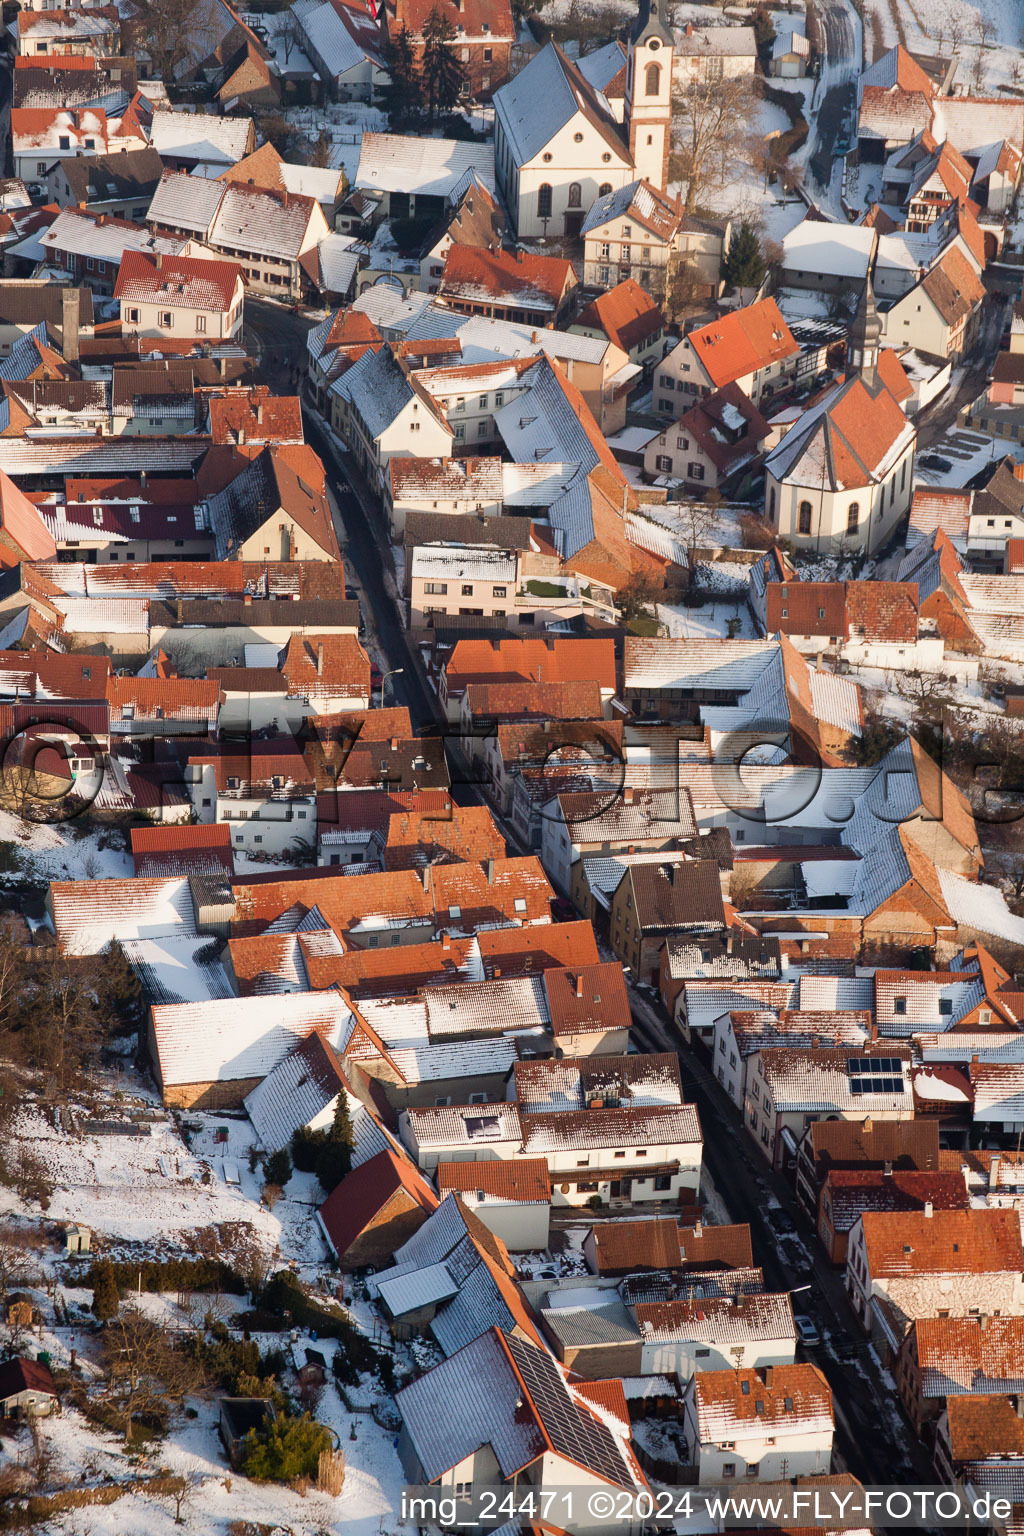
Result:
557,145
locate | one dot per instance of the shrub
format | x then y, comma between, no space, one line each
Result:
105,1298
287,1448
169,1275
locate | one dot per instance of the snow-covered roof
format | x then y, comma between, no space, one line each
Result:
184,969
980,907
239,1037
546,94
839,250
200,135
87,915
334,44
395,162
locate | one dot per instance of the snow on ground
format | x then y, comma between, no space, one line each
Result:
958,458
937,28
710,622
68,850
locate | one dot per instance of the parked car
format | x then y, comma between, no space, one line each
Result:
807,1330
780,1221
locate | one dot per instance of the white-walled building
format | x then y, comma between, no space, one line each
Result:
774,1424
181,297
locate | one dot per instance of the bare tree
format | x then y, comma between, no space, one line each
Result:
684,286
697,518
173,33
144,1371
710,135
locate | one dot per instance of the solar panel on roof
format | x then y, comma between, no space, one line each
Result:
573,1432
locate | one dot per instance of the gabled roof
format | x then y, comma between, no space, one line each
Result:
626,314
641,202
363,1194
523,1180
543,97
179,282
25,1376
511,1396
970,1242
266,485
847,441
792,1399
984,1428
969,1355
478,275
897,68
743,342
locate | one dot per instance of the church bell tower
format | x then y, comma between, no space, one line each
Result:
649,92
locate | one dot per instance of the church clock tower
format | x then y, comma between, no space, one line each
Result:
649,92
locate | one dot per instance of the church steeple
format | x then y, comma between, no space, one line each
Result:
649,92
862,346
652,22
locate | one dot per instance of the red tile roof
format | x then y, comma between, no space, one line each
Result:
620,1247
182,849
712,1247
626,314
531,660
982,1427
23,534
743,342
971,1242
178,281
883,610
547,701
524,280
255,416
319,665
524,1179
461,833
363,1194
584,998
806,608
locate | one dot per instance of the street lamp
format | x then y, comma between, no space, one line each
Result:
395,672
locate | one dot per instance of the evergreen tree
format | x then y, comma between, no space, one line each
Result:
334,1159
745,265
285,1448
443,73
105,1296
402,93
278,1167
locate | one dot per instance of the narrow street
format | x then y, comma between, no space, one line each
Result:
746,1183
836,94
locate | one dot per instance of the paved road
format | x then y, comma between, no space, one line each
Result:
934,423
864,1404
836,93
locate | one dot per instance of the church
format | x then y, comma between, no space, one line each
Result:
843,475
557,144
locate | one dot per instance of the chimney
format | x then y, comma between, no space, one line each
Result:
284,198
579,984
929,1209
769,1376
425,877
887,1171
159,259
71,300
259,413
627,794
993,1172
496,973
446,941
814,1042
698,1230
984,1322
320,660
241,437
246,599
868,1126
489,868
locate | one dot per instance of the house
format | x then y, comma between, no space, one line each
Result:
770,1424
23,533
715,1333
375,1209
276,507
628,316
344,44
979,1441
751,347
471,218
119,184
384,412
956,1357
199,141
511,1199
526,288
707,54
502,1405
557,147
861,1145
41,136
266,168
273,234
455,1278
27,1390
633,232
842,477
179,296
93,31
908,1264
717,438
615,1249
786,1088
654,900
558,659
848,1192
407,177
89,246
484,35
941,313
790,55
